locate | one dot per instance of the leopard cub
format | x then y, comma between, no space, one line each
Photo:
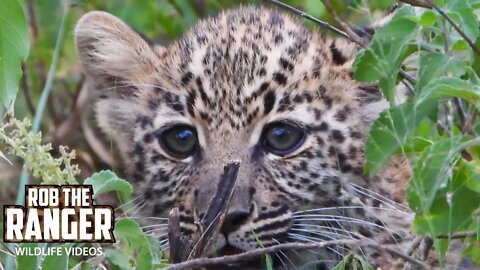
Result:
255,85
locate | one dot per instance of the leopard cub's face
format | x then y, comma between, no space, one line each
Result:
251,85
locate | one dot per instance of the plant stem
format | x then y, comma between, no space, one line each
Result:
202,262
25,177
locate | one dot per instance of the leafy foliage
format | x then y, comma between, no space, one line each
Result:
14,46
434,127
381,61
141,250
106,181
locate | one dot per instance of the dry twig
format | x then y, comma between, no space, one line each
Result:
347,31
346,27
204,262
415,244
309,17
418,3
458,235
27,91
175,236
213,219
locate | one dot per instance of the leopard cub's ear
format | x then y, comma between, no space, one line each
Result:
111,51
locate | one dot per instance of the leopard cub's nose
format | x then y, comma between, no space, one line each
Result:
233,219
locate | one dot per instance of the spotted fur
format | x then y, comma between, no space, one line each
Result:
228,77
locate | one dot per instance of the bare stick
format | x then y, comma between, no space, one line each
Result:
418,3
351,34
458,235
174,235
203,262
462,114
399,264
427,246
305,15
347,33
213,219
27,89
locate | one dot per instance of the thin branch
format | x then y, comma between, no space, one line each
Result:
417,3
427,246
213,219
458,235
409,78
456,27
8,250
62,133
174,236
416,243
27,92
351,34
32,21
360,41
346,33
203,262
471,120
462,114
200,8
309,17
407,85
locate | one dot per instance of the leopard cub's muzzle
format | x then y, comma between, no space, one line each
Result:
248,223
262,226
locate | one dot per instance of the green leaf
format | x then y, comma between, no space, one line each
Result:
467,20
381,4
55,261
454,206
342,265
460,45
116,257
383,58
389,132
29,262
14,47
423,137
315,8
470,171
84,265
431,173
451,87
107,181
268,259
135,244
475,4
353,262
428,18
434,65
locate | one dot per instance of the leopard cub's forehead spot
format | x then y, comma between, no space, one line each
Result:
250,66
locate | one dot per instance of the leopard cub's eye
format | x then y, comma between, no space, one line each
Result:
282,138
179,141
